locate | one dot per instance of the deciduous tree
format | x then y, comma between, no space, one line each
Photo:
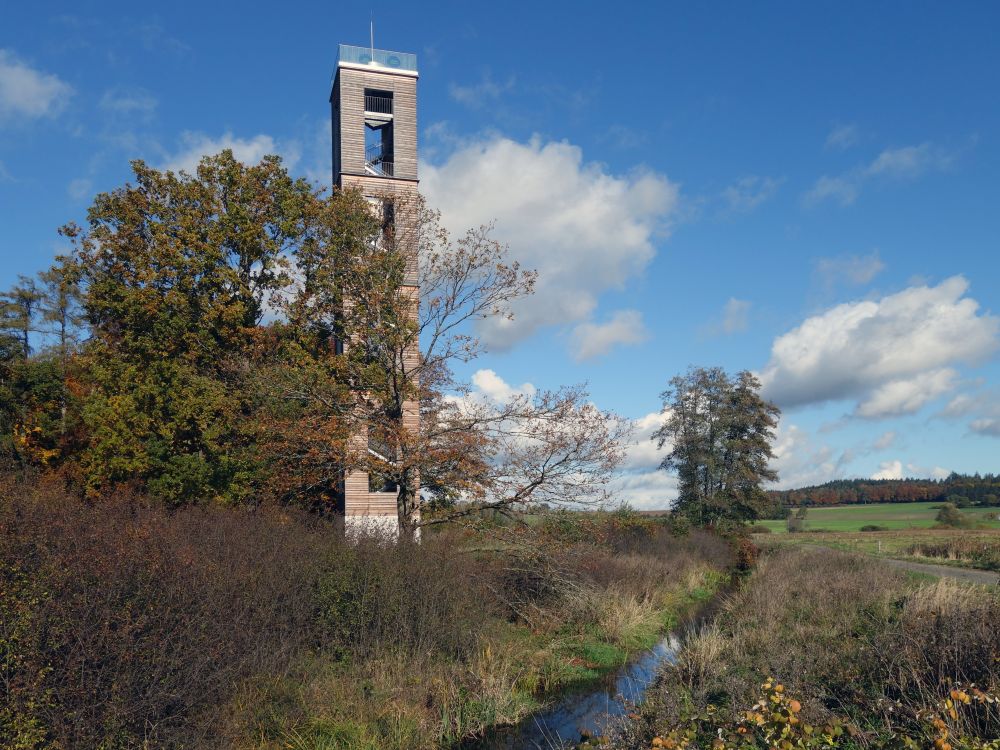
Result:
400,351
719,431
176,271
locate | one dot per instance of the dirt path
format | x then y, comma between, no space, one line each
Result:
985,577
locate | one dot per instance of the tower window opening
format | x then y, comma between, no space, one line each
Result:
384,210
378,148
388,218
381,481
378,133
378,102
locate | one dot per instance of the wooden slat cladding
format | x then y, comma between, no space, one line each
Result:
348,104
347,101
390,189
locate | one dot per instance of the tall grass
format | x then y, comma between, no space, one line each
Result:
122,625
975,551
852,639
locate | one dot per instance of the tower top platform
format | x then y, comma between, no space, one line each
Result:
377,60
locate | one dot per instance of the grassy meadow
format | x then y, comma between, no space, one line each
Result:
888,515
969,548
906,532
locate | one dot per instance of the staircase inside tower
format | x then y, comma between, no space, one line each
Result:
378,162
378,133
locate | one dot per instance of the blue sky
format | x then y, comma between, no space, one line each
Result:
809,191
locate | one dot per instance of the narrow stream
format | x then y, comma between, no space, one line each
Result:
585,713
577,715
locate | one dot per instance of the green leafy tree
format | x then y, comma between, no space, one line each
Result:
176,272
796,521
60,306
719,432
62,322
959,501
11,355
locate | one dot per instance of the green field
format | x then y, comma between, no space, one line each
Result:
889,515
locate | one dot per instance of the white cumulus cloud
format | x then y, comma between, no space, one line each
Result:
641,483
986,426
800,460
982,407
889,470
895,469
653,490
643,453
27,92
907,395
584,230
891,355
247,150
495,388
592,340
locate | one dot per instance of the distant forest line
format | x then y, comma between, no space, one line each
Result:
962,489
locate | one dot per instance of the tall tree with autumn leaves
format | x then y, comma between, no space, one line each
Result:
469,453
176,271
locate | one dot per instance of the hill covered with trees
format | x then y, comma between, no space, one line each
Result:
961,489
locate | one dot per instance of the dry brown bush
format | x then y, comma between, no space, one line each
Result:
977,550
122,624
376,595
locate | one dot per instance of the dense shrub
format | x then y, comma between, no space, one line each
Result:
121,624
976,550
949,516
374,595
746,555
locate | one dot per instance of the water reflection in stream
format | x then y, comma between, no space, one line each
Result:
581,714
